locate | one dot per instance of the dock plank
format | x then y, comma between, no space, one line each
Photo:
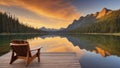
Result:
48,60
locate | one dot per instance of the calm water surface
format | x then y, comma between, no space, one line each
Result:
93,51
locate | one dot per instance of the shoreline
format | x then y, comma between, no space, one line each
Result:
114,34
17,33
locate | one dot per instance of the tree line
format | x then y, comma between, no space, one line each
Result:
10,24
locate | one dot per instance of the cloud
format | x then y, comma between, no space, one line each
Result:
40,23
51,9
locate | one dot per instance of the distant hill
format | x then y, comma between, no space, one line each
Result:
51,29
48,29
9,24
105,21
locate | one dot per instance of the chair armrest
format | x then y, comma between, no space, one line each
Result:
36,49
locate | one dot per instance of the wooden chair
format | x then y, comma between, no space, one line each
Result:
21,50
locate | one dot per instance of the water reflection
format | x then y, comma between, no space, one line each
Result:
92,51
53,44
107,44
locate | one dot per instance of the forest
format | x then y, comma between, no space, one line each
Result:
10,24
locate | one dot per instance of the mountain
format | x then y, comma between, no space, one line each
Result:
48,29
51,29
83,21
44,29
104,21
88,19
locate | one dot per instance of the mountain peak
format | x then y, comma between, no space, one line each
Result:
104,9
103,12
48,29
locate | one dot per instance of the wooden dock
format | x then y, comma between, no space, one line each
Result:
48,60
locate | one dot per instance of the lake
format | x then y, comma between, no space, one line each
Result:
93,51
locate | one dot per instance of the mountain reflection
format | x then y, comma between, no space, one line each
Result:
109,45
101,52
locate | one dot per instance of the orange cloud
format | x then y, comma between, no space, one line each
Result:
31,22
38,23
52,9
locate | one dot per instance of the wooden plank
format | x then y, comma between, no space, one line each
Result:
48,60
58,53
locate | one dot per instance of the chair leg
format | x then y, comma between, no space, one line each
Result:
38,58
27,62
13,59
38,55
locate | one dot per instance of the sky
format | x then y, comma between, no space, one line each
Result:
54,13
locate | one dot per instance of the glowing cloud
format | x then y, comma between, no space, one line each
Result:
52,9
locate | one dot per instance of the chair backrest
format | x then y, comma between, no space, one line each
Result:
20,47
